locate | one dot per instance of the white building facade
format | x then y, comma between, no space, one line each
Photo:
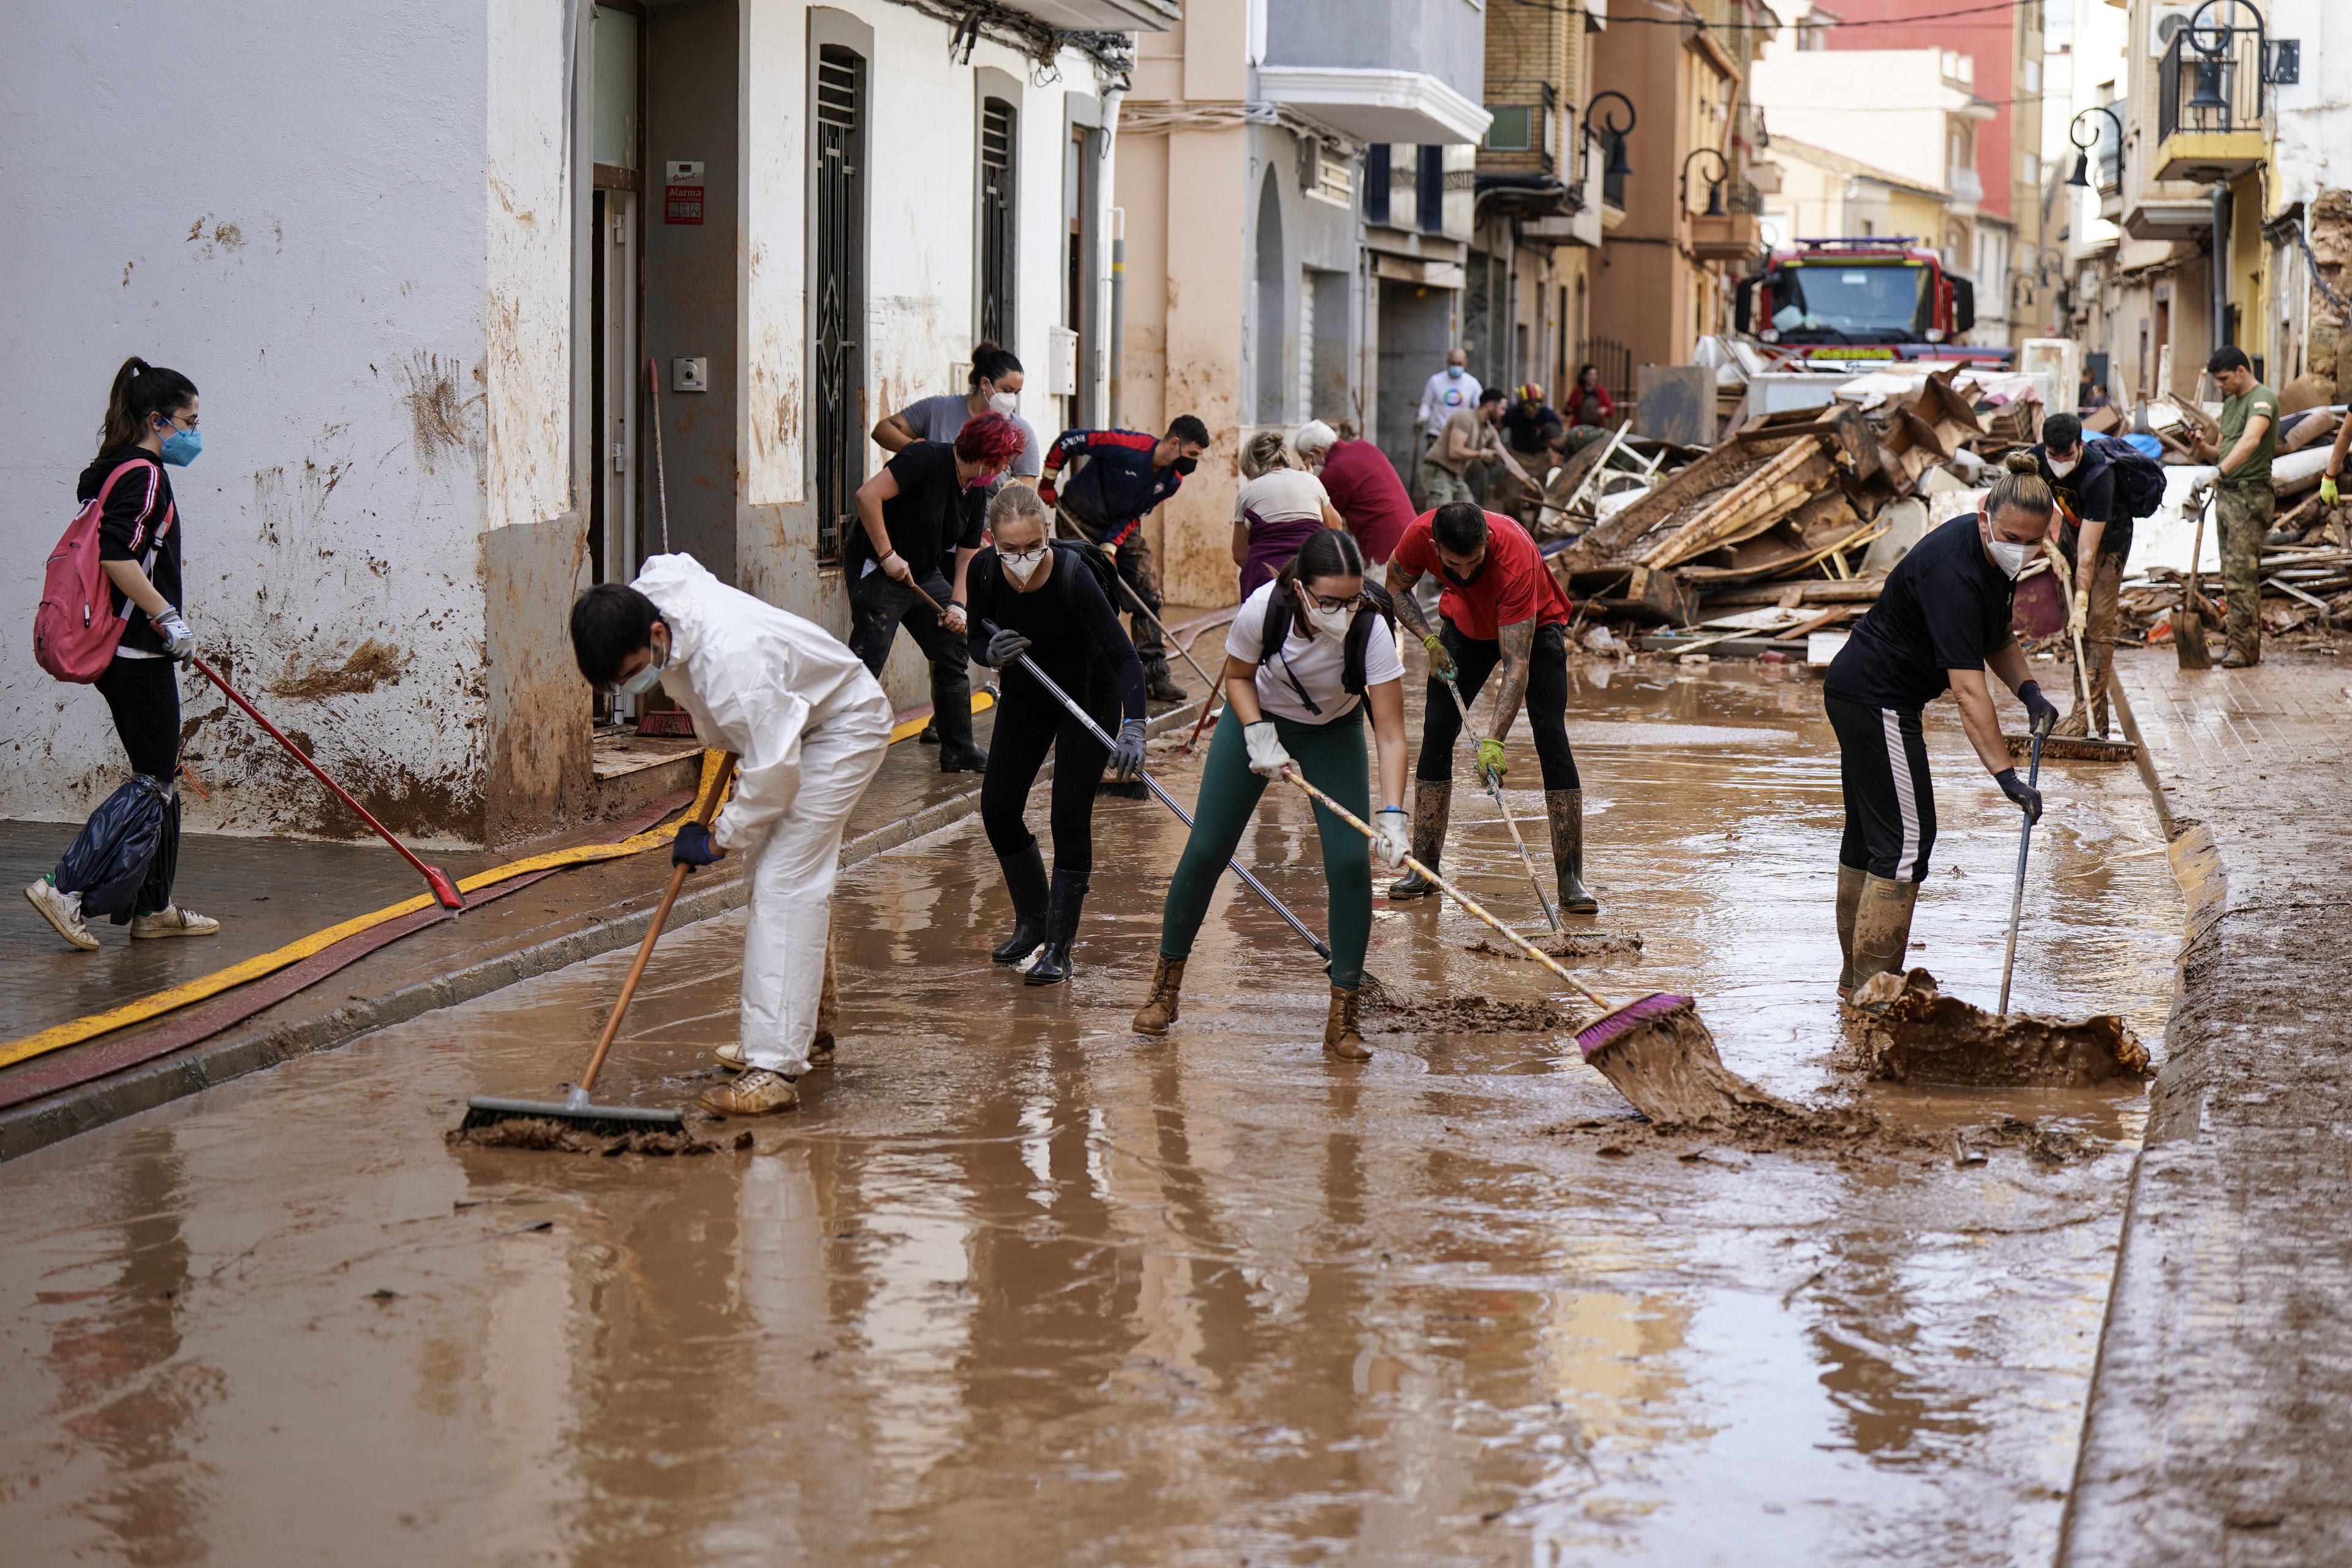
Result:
417,262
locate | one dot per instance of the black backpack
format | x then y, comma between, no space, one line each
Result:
2139,479
1277,631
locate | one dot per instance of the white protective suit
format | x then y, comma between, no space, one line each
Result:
809,726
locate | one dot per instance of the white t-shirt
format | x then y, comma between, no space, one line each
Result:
1442,395
1282,495
1316,664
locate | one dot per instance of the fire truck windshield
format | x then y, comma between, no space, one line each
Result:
1831,302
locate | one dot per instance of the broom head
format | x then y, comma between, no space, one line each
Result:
1656,1052
445,889
574,1112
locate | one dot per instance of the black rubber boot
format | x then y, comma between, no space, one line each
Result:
1433,807
1053,965
1024,879
952,714
1565,809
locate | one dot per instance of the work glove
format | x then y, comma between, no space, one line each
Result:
2328,496
953,618
895,567
1266,756
1491,765
1045,493
2082,616
179,642
2028,798
693,847
1005,647
1441,663
2040,714
1392,835
1126,751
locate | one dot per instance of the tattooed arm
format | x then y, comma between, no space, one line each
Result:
1518,640
1401,582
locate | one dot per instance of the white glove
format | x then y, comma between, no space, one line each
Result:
179,642
1392,835
1265,753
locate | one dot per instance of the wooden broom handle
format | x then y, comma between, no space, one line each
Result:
707,809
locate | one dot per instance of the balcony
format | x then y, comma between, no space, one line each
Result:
1405,74
1377,104
2209,104
1734,236
1105,16
1967,190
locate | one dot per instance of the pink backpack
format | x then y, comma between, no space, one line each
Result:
74,636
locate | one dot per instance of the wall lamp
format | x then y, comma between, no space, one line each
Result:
1713,186
2081,178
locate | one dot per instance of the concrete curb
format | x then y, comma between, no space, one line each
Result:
240,1050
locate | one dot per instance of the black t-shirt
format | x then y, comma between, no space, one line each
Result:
1068,621
2090,492
137,509
1944,607
932,514
1528,432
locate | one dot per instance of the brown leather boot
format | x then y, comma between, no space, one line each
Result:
1341,1039
1159,1009
1849,902
1433,805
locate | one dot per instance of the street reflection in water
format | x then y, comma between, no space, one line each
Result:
1019,1288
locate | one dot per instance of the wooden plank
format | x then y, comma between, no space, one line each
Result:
1753,505
1799,632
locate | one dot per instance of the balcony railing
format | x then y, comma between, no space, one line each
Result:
2211,81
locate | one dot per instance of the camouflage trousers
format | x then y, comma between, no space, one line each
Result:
2098,650
2245,511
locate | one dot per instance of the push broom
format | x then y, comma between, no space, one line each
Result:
1495,788
445,891
576,1110
1654,1050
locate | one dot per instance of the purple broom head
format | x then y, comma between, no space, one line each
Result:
1623,1020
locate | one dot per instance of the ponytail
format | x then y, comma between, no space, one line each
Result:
1263,455
141,392
2021,487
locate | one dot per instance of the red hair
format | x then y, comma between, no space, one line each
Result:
992,441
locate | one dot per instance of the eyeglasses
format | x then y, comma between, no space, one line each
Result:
1344,602
173,421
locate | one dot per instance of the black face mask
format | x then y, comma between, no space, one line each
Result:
1185,465
1447,573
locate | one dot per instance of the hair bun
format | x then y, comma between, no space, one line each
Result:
2022,463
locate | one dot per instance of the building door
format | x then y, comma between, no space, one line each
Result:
617,375
838,291
1081,160
996,225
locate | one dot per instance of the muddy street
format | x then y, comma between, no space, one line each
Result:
1019,1287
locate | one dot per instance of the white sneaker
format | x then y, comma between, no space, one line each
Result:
731,1056
62,911
172,921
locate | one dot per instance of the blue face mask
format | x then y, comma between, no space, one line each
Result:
1454,370
180,447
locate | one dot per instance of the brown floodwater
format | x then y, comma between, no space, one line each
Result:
1017,1287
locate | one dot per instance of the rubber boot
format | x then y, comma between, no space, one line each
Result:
1342,1041
1024,879
1160,1008
1160,683
1849,902
952,713
1882,928
1565,809
1433,805
1053,965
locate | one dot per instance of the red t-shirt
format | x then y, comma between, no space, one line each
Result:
1367,494
1514,585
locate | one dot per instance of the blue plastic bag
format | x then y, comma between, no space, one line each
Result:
124,857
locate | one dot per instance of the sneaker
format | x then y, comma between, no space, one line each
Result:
62,911
172,921
758,1093
731,1056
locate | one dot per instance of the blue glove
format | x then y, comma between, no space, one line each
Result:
1126,751
2028,798
2040,714
693,847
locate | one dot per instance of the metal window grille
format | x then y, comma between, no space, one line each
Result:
1376,182
840,293
2210,80
1429,191
996,229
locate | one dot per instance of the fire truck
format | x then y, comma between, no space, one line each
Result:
1843,304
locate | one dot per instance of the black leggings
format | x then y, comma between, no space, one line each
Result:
1029,724
1547,705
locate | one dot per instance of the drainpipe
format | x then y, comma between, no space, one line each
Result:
2220,261
1118,308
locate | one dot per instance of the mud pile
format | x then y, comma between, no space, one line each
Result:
1567,944
1926,1036
1397,1013
1664,1064
562,1138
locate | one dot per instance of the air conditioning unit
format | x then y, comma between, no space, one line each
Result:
2163,22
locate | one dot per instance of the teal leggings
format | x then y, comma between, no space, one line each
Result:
1332,757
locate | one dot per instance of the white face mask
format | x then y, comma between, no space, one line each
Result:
1022,567
1004,403
1332,624
2010,558
2068,467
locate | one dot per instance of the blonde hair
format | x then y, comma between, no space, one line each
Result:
1018,500
2020,486
1263,454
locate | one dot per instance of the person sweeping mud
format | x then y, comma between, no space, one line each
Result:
1307,654
1043,600
1939,624
2102,484
1127,473
1501,606
809,725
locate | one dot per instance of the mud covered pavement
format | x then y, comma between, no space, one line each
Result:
1017,1287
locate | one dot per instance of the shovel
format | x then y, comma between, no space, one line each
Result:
2024,843
2188,620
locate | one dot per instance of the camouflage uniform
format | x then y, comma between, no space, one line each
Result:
2245,509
